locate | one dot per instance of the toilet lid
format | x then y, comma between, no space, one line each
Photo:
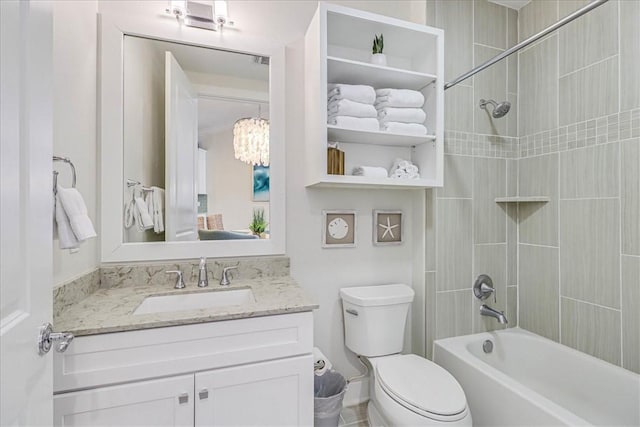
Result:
416,382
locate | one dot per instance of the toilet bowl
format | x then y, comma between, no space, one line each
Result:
405,390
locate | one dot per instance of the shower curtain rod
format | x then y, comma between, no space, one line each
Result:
578,13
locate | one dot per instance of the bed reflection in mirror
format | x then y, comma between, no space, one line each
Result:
196,143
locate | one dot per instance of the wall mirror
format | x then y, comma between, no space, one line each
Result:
191,147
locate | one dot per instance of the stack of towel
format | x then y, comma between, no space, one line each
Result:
400,111
73,224
404,169
351,106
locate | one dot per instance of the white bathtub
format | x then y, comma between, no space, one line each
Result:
529,380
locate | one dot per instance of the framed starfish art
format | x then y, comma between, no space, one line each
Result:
388,227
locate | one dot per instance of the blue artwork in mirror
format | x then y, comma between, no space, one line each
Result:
260,183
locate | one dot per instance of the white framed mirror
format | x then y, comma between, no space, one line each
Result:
176,109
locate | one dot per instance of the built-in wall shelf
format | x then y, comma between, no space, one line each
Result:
520,199
354,181
335,133
338,50
363,73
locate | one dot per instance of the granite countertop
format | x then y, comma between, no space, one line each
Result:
111,309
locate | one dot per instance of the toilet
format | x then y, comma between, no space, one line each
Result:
405,389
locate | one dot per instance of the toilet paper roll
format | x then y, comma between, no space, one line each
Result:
321,363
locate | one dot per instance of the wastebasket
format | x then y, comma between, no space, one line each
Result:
328,392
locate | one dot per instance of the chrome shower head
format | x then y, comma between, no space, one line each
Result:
499,110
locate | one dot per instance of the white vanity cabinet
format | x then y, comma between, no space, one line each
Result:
255,371
337,50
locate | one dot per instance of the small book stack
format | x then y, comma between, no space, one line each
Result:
335,161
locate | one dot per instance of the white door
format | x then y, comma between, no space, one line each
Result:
25,210
275,393
166,402
181,153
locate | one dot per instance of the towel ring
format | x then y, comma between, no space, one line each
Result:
55,173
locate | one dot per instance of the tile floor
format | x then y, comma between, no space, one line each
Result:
354,416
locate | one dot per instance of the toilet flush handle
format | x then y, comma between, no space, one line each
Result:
351,311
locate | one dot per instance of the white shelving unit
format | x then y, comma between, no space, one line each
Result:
337,50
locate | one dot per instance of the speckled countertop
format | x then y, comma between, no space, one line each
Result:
111,309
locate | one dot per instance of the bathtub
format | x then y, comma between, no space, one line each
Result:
528,380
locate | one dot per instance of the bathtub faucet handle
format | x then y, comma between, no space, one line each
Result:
483,287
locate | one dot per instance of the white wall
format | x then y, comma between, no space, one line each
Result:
322,272
74,121
229,182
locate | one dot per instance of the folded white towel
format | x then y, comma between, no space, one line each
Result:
346,107
370,171
399,98
76,211
355,122
158,209
358,93
404,115
66,238
406,128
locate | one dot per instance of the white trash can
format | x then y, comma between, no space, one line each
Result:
328,392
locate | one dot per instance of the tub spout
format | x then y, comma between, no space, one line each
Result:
485,310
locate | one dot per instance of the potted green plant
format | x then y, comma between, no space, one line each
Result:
258,225
377,57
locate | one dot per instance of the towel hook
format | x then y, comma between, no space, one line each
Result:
55,173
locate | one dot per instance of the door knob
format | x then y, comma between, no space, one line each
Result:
46,338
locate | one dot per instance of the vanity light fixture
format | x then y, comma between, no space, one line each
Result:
251,140
208,15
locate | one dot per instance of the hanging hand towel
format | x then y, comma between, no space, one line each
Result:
405,128
358,93
404,115
144,220
354,123
66,238
76,210
158,209
345,107
399,98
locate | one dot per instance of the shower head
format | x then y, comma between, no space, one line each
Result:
499,110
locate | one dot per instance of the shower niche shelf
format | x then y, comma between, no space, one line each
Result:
522,199
337,50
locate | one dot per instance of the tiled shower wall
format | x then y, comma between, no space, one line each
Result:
579,254
467,232
568,269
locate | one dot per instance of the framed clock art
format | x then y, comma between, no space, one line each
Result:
339,229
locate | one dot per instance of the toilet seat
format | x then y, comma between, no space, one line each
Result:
432,392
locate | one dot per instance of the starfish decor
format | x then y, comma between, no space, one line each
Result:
388,228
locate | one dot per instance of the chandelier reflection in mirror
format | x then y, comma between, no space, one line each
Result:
251,140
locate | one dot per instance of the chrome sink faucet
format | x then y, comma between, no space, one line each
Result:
179,279
224,280
203,276
482,289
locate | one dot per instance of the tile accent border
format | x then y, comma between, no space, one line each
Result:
473,144
602,130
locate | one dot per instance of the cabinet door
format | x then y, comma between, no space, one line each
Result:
275,393
164,402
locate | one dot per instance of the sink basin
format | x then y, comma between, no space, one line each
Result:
181,302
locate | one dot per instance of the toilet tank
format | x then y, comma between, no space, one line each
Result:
375,317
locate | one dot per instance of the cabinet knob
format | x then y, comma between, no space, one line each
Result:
203,394
183,398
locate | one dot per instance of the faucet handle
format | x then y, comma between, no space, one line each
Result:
179,279
483,288
224,280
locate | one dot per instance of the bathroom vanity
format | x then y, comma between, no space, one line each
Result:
243,364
